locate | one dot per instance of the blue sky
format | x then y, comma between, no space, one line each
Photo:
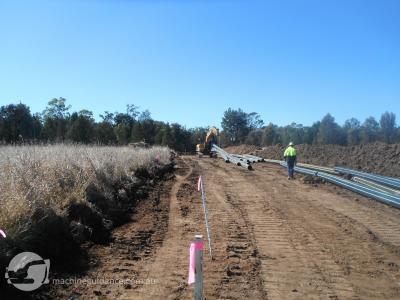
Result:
189,61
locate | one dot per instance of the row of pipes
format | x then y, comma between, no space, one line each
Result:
382,188
378,187
244,161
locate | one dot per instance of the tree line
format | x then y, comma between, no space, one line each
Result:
240,127
57,124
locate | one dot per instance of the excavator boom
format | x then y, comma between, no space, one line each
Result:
211,139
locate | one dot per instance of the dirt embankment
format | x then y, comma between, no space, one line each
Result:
66,238
379,158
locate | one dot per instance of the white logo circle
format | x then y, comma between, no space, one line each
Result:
27,271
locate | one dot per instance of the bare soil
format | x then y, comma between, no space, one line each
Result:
379,158
271,239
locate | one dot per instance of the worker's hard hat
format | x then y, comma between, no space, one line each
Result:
291,144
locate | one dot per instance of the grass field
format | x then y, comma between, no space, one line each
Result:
51,176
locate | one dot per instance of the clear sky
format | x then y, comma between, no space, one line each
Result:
189,61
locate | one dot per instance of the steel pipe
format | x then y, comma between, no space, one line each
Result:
319,168
389,181
243,158
258,158
230,158
363,190
370,192
375,185
273,161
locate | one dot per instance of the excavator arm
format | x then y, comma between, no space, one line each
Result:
211,138
211,134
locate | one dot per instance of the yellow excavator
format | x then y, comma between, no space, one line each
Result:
211,139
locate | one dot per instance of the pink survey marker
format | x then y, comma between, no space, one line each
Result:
192,260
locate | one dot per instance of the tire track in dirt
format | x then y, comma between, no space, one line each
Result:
380,220
234,272
169,265
335,233
283,257
307,248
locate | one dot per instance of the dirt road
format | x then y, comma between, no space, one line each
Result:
272,239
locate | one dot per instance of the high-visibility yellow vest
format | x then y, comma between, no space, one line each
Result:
290,151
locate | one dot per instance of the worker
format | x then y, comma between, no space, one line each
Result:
290,156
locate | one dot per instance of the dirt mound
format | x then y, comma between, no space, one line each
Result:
242,149
379,158
87,223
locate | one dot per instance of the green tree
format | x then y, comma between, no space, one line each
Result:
310,133
122,132
55,118
235,125
144,116
132,111
329,132
57,109
167,137
198,135
254,137
149,130
81,127
388,126
254,121
123,119
352,129
269,135
105,134
159,132
181,138
127,118
292,133
16,123
37,126
369,131
137,134
107,117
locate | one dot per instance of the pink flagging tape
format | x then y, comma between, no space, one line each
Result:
199,245
192,260
2,233
192,263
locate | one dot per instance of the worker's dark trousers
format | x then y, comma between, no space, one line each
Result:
290,166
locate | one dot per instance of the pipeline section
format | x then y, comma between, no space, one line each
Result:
318,168
254,157
375,185
251,159
373,190
308,166
243,158
389,181
231,158
368,191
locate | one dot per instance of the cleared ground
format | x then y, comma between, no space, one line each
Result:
272,239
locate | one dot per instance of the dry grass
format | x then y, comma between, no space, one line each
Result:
37,176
